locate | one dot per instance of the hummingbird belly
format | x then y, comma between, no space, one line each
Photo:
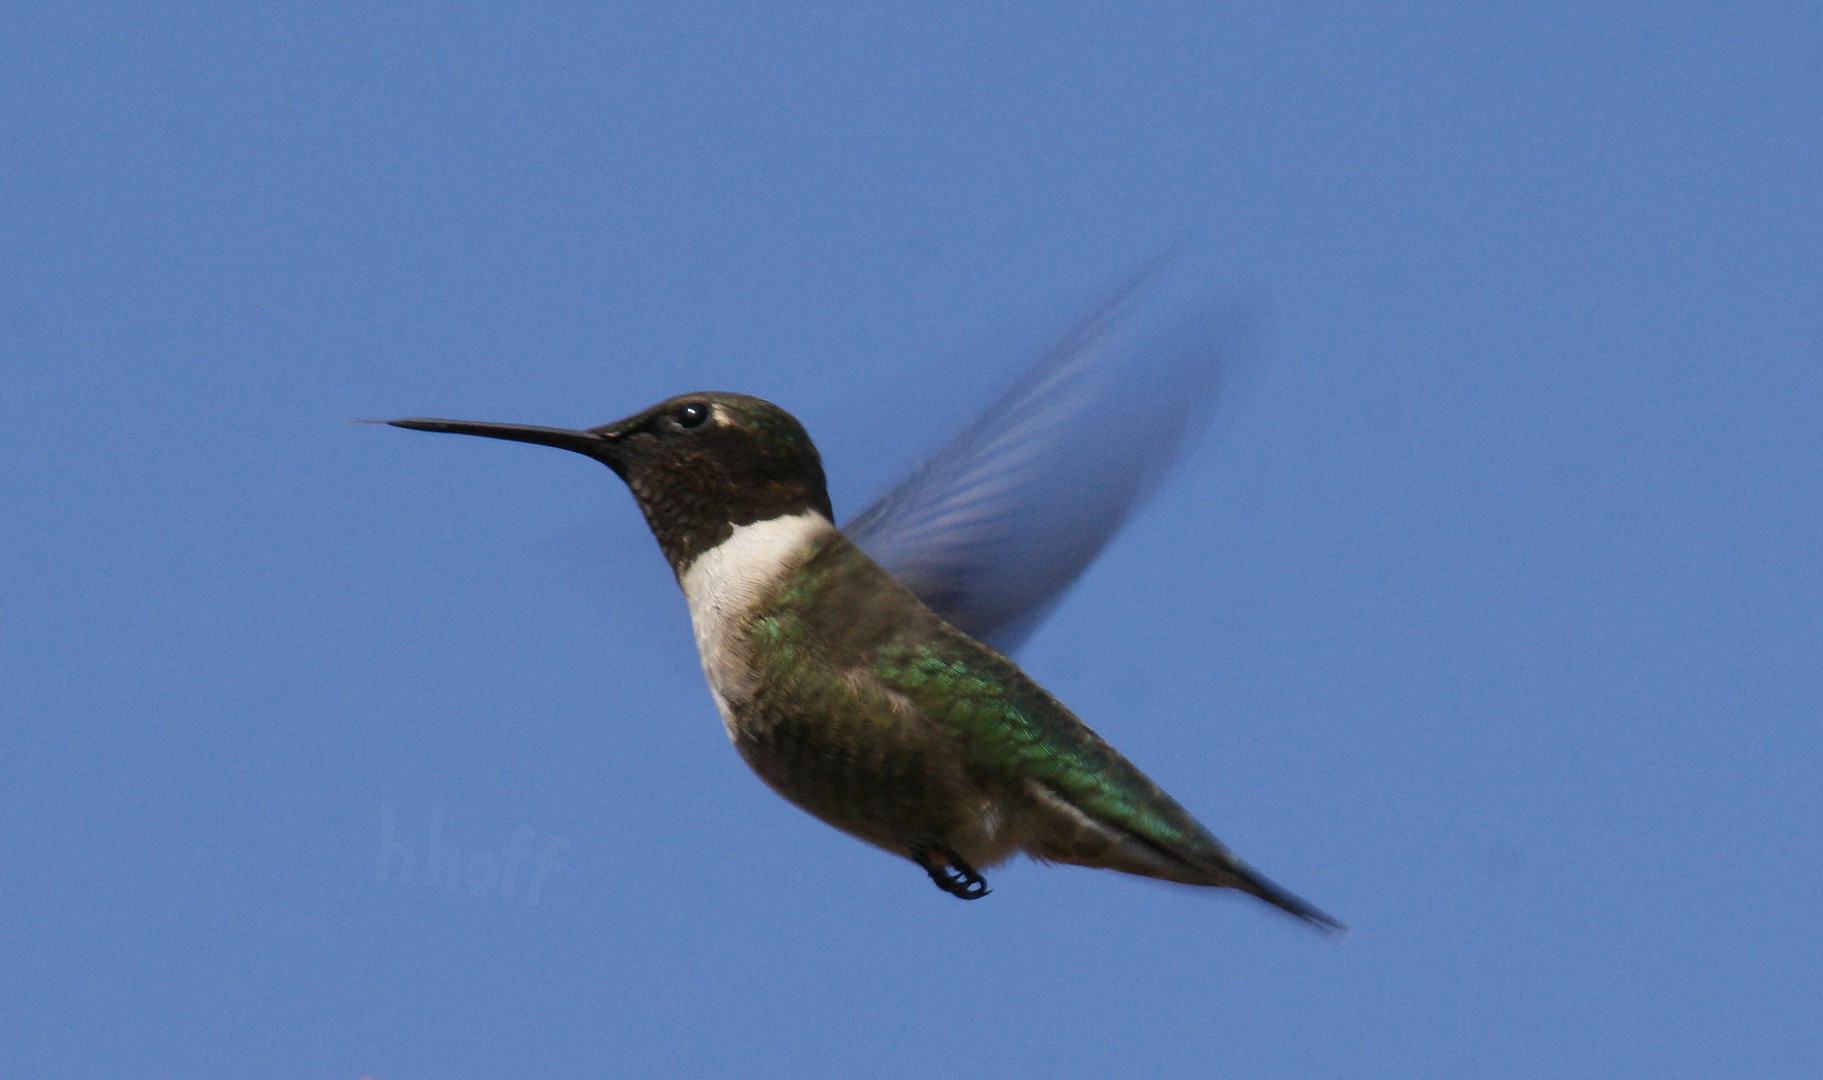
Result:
804,711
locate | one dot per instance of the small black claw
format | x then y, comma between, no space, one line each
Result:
951,874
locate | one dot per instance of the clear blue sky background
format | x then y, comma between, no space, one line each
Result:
1490,622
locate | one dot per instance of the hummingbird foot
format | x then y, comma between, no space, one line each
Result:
951,874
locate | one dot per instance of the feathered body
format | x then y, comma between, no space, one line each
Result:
844,687
854,700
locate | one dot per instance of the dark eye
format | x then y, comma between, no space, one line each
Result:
691,415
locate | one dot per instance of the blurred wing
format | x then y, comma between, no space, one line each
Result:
994,528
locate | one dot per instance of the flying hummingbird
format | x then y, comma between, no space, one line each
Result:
849,666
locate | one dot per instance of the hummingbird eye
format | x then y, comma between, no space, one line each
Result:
692,415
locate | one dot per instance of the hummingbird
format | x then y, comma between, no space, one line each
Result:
863,673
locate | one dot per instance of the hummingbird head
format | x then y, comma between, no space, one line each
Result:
698,465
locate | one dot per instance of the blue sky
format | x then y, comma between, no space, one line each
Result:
1489,621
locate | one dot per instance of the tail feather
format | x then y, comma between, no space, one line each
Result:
1211,865
1062,832
1248,880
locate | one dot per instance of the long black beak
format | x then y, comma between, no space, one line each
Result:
603,446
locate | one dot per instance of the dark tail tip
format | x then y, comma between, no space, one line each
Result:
1251,882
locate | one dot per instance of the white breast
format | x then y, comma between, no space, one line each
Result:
728,581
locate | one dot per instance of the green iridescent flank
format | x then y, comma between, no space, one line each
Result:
1008,724
817,646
